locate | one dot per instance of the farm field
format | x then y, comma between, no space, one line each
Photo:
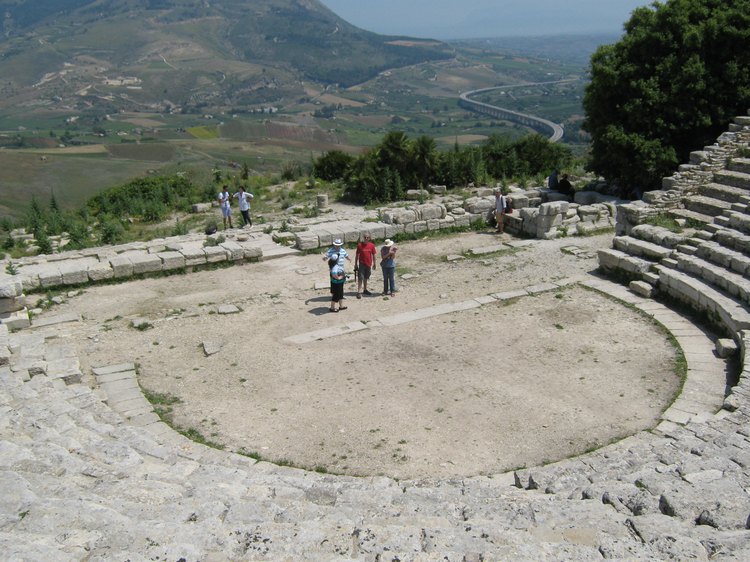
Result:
419,100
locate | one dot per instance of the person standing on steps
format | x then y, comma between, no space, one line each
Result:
243,197
364,260
226,209
501,201
388,265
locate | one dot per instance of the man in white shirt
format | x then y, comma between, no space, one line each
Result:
244,199
226,210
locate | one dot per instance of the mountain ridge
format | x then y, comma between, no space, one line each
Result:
188,53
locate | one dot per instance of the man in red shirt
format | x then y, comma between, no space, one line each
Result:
364,259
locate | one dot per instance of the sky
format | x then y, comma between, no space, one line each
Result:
463,19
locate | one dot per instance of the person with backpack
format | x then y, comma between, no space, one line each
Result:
502,204
336,257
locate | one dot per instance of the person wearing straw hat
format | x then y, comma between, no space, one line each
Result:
336,254
388,265
336,257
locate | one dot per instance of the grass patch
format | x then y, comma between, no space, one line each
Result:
665,221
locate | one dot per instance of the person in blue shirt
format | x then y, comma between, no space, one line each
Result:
388,265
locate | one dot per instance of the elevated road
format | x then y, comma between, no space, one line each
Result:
539,124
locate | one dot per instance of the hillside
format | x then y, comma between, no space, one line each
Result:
186,55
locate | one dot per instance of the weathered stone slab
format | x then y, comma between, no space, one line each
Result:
488,249
99,271
12,304
15,320
235,252
194,254
171,260
227,309
49,275
326,333
215,254
118,368
541,288
121,266
43,321
509,295
144,263
428,312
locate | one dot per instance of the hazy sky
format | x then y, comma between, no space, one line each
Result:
460,19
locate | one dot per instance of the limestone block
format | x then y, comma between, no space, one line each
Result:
415,194
284,238
351,233
392,229
479,205
433,224
554,208
12,304
399,216
121,266
50,276
375,230
641,288
234,251
4,353
420,226
194,255
252,252
144,263
171,260
520,200
409,228
325,238
215,254
307,241
15,320
75,272
429,211
726,348
439,189
201,207
463,220
11,287
447,222
99,271
609,260
458,211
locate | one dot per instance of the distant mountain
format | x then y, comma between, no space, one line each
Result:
186,53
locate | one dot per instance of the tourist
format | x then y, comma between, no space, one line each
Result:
338,278
244,199
336,254
226,209
552,180
364,259
501,202
564,186
388,265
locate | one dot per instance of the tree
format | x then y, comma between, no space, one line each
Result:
424,157
671,85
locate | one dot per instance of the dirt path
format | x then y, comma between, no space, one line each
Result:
479,391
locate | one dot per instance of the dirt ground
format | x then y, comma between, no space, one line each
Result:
481,391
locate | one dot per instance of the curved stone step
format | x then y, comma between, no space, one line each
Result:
706,205
733,178
701,296
690,215
641,248
723,192
715,275
739,165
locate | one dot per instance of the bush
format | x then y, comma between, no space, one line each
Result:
111,231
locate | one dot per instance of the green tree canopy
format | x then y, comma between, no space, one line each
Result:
671,85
